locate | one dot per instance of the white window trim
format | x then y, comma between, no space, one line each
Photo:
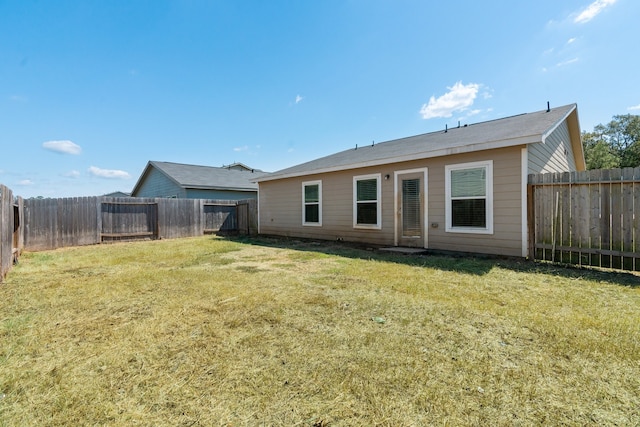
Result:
312,224
489,198
378,178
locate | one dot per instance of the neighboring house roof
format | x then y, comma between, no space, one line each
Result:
203,177
117,194
241,166
506,132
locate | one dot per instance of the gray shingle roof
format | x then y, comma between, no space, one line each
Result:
208,177
506,132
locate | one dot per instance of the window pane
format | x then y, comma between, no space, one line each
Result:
367,213
312,213
469,182
311,193
367,189
469,213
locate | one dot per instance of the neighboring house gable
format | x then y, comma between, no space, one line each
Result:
166,179
460,189
117,194
240,167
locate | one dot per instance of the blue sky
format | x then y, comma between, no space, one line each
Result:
90,91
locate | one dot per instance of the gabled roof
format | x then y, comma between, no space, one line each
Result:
203,177
506,132
240,166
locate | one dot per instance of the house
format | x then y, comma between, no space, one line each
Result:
176,180
459,189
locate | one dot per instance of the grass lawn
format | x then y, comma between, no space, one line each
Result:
250,332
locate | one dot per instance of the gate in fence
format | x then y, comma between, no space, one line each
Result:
127,220
589,218
220,217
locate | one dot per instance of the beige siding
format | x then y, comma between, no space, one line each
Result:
507,236
554,155
281,205
281,208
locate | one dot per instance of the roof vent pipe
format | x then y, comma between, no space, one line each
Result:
446,128
548,108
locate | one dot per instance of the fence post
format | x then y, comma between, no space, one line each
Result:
531,218
8,232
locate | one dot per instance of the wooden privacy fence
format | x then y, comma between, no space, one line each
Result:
55,223
11,242
589,218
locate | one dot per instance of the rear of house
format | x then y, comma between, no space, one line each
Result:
463,189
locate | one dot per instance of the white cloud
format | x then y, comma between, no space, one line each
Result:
72,174
571,40
298,99
459,98
108,173
64,147
634,108
592,11
25,182
567,62
243,148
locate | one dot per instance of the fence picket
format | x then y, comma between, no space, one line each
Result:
636,217
580,198
594,218
626,229
615,236
565,217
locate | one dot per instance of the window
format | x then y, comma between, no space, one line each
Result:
312,203
469,192
366,199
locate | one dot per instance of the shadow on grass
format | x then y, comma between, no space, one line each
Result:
456,262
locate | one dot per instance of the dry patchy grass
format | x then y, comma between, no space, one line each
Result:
209,331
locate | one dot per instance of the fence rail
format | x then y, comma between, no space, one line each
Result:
587,218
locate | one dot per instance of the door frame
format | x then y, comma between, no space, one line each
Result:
425,204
